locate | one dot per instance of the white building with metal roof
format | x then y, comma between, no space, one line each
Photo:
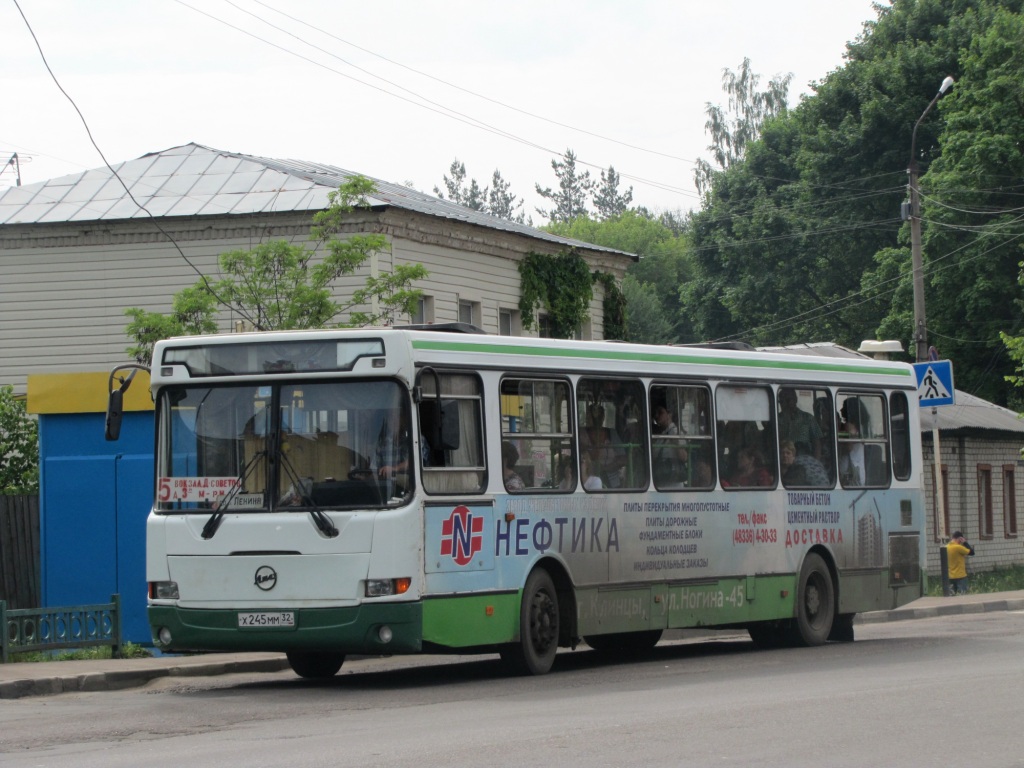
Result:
76,251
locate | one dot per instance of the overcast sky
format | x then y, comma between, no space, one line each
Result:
397,89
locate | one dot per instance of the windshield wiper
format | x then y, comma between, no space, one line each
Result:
215,519
321,520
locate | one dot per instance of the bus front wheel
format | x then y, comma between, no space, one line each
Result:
315,664
816,604
535,652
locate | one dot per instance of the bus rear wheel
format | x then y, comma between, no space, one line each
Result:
534,654
815,603
316,665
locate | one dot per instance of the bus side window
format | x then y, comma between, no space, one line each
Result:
863,440
613,432
682,444
746,437
451,435
536,429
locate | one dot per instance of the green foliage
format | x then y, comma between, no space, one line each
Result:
646,322
562,284
973,243
664,264
1006,579
497,200
613,307
732,129
799,238
570,199
470,196
281,286
608,201
19,446
95,653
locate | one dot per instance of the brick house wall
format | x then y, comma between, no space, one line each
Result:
984,475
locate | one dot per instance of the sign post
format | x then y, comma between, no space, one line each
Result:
935,388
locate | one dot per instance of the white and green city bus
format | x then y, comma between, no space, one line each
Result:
405,490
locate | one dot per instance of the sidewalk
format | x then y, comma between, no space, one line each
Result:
42,678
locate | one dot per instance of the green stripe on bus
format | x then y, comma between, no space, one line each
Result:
659,357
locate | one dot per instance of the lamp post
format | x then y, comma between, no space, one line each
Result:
920,330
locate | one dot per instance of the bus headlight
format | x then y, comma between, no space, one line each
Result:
386,587
163,636
163,590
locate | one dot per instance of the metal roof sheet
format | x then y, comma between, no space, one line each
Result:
193,180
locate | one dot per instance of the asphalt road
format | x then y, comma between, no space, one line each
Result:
906,693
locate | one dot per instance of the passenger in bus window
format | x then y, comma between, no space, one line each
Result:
591,481
750,469
799,469
851,449
566,474
703,476
798,425
670,456
509,459
609,460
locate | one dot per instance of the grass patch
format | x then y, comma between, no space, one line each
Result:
1009,579
128,651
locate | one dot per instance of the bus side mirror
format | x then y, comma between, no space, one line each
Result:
115,412
440,424
448,439
115,398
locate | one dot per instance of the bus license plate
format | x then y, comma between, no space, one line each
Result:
264,619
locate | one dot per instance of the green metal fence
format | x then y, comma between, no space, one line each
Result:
66,627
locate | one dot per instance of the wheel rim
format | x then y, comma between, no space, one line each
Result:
812,599
543,623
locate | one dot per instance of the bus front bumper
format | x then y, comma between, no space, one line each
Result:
370,629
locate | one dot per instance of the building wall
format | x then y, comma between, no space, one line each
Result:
962,457
64,288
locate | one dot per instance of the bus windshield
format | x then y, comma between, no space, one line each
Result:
284,446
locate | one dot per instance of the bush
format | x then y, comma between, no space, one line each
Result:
19,446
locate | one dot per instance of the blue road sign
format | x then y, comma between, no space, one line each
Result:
934,382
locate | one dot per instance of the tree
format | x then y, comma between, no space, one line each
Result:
664,264
646,321
502,203
973,241
496,200
570,199
279,286
734,128
470,196
19,446
608,202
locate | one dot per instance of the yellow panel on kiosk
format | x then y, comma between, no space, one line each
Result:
84,392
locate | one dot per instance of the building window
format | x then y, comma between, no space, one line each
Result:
941,533
424,312
1009,502
508,322
985,501
544,327
469,312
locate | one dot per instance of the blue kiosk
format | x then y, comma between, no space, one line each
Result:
94,495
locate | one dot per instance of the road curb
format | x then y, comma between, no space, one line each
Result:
115,680
198,666
952,608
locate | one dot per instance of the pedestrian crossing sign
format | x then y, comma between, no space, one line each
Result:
934,382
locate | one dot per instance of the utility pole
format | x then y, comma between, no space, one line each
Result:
920,325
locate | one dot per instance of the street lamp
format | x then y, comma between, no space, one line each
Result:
920,332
